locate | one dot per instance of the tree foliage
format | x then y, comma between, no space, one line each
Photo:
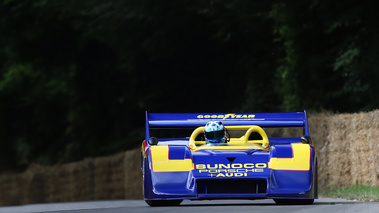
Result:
330,58
77,76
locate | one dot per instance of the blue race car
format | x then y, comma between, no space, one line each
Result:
250,165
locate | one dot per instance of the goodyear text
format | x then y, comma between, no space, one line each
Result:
227,116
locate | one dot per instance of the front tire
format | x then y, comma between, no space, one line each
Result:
294,201
163,202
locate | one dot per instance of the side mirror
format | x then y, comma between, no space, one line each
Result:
306,139
153,141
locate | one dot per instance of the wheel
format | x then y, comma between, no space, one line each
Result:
163,202
294,201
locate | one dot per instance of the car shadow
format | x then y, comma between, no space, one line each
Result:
267,203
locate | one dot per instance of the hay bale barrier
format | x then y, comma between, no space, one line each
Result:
347,147
105,178
345,144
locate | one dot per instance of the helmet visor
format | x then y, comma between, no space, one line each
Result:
214,135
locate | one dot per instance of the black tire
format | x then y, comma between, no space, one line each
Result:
294,201
163,202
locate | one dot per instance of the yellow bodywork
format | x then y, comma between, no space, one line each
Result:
161,162
299,162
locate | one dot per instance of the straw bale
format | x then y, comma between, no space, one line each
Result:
109,177
133,174
346,148
10,189
74,181
90,179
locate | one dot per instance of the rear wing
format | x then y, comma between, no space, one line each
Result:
189,120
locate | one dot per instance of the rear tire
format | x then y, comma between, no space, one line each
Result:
294,201
163,202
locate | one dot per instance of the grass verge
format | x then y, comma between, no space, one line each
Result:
362,192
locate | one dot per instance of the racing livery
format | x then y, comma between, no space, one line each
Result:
249,166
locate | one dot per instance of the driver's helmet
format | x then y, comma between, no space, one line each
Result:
214,132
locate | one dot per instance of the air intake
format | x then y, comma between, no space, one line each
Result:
231,186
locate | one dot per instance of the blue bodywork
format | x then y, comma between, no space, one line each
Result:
235,173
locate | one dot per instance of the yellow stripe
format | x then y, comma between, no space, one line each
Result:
161,163
299,162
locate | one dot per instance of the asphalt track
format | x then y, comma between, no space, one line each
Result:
322,205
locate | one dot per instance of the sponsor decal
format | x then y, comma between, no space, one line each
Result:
230,170
229,117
